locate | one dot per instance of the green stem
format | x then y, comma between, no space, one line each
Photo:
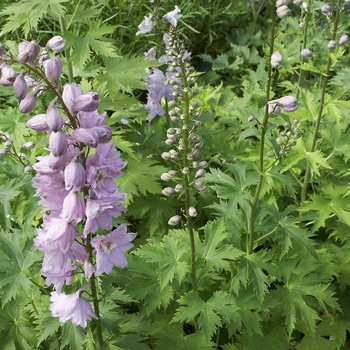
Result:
307,177
67,52
251,235
95,300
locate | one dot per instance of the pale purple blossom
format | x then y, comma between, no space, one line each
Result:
173,16
71,307
146,25
110,249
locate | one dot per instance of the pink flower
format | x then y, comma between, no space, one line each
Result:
110,249
71,307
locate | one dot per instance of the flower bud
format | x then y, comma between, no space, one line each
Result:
74,175
283,11
166,155
57,163
28,169
302,25
53,69
174,220
87,136
288,103
104,133
28,145
273,109
298,2
38,123
343,40
276,63
28,52
326,10
165,177
280,3
271,154
73,208
199,173
5,82
306,53
34,49
185,170
58,143
20,87
304,6
168,191
203,164
2,49
192,211
332,44
87,102
179,188
53,116
56,44
28,104
8,72
69,94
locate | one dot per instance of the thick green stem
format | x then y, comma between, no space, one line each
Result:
251,235
307,177
94,294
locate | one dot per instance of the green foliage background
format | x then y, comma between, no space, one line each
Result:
293,290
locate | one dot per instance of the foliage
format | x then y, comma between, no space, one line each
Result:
271,235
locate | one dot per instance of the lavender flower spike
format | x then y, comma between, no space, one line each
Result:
173,16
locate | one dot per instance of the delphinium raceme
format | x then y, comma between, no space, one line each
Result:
75,180
183,140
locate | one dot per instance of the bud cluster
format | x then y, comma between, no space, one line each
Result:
183,137
287,138
75,181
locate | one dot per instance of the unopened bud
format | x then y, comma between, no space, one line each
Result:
28,104
53,116
166,155
276,61
306,53
332,44
53,69
28,169
343,40
288,103
87,102
199,173
8,72
56,44
174,220
28,145
58,143
283,11
192,211
38,123
20,87
326,10
168,191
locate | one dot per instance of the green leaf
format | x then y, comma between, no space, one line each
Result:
26,15
211,312
13,265
123,73
93,41
216,252
141,176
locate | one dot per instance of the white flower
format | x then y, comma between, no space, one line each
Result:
173,16
146,25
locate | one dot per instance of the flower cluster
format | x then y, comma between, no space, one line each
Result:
75,181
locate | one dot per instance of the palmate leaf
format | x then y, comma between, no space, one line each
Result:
26,15
288,230
301,288
14,262
215,252
171,255
123,73
333,200
15,332
94,41
141,176
211,312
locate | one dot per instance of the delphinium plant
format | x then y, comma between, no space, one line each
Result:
75,182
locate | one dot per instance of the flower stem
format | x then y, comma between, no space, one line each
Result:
67,52
93,283
251,235
320,109
186,176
